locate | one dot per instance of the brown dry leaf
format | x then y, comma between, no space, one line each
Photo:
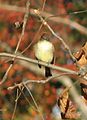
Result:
81,56
83,84
67,108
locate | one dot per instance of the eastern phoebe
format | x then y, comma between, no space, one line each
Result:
44,51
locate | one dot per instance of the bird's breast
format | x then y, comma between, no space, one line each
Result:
45,55
44,51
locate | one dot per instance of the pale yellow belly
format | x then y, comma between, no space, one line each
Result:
45,56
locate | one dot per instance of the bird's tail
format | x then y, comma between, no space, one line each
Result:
47,72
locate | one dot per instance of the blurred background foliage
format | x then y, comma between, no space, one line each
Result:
45,95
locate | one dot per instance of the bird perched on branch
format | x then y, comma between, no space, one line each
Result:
44,51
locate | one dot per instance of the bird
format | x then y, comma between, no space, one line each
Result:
44,51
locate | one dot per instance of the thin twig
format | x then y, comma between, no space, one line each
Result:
69,13
67,82
58,19
24,25
57,36
47,80
6,74
68,88
27,59
38,81
27,88
23,84
17,47
43,6
37,33
15,107
21,90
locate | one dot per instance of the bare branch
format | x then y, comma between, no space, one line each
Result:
76,97
58,19
17,47
27,88
24,25
15,107
57,36
47,80
44,2
41,63
38,81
